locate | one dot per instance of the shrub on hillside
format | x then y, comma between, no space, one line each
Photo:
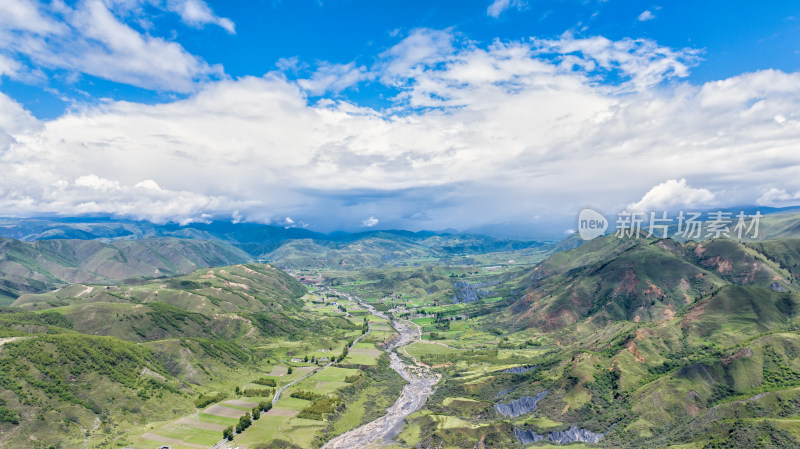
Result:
320,407
307,395
206,400
266,381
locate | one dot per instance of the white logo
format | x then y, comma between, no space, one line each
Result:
591,224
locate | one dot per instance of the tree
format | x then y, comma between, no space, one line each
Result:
256,413
244,423
238,391
228,433
290,370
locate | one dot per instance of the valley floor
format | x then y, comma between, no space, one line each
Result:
420,386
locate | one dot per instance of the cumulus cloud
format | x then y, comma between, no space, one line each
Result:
24,15
498,6
92,194
477,134
421,49
334,78
197,13
672,194
9,67
642,61
286,222
778,197
93,38
370,222
645,16
14,120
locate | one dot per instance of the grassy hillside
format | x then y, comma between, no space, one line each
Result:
214,301
647,343
45,264
630,343
127,364
387,249
290,247
612,279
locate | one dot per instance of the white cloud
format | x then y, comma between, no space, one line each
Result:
90,38
498,6
148,184
95,182
197,13
335,78
91,194
479,134
14,120
645,16
642,61
25,16
423,47
672,194
778,197
9,67
286,222
370,222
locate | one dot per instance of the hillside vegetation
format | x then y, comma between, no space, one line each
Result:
107,361
295,248
627,343
29,267
612,343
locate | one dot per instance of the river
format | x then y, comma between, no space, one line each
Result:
421,381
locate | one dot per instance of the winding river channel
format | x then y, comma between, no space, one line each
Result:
421,381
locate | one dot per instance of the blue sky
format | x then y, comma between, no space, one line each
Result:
418,115
734,37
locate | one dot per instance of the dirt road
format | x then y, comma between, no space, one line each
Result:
8,340
351,347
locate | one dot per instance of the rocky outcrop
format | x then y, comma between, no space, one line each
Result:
464,292
572,435
777,287
528,436
521,406
575,434
519,369
504,392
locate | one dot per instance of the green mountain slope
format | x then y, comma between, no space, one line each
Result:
294,248
612,279
387,249
635,343
45,264
211,302
107,361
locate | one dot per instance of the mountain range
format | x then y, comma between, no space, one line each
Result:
37,255
625,342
